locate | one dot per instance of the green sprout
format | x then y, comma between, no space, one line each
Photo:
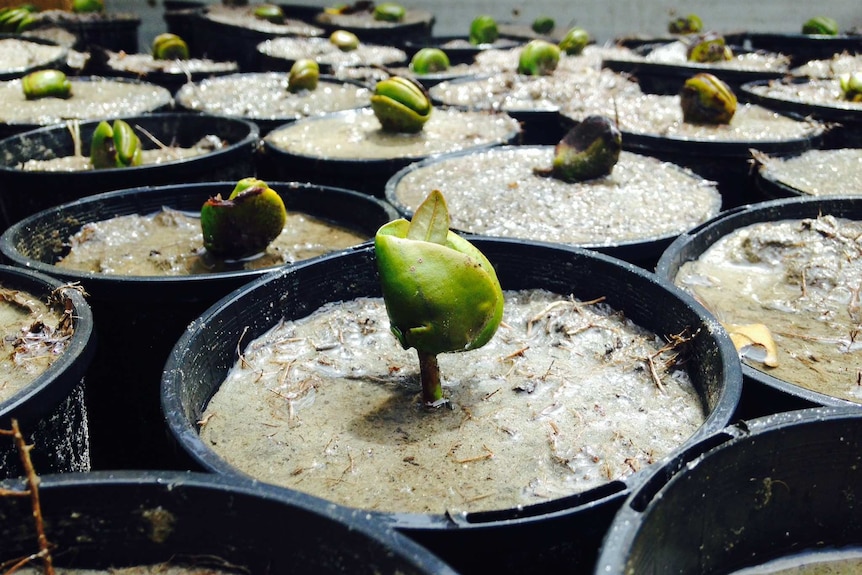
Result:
822,25
483,30
441,293
574,42
538,58
304,75
589,150
115,146
48,83
401,105
706,99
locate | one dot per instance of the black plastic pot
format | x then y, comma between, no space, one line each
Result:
178,17
104,521
557,536
364,175
728,163
773,188
416,26
50,410
46,189
163,101
803,47
845,122
785,485
668,78
58,62
762,393
643,252
457,48
110,30
138,319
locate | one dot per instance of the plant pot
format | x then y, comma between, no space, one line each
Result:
50,409
763,394
139,318
415,26
110,30
93,98
47,189
368,156
105,521
480,191
826,174
179,18
212,25
803,47
279,54
787,96
668,77
240,96
53,56
529,538
458,48
787,485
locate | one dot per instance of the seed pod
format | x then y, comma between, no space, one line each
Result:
705,99
115,146
46,84
543,25
389,12
709,47
270,13
429,60
85,6
589,150
483,30
538,58
304,75
822,25
851,86
244,224
169,46
344,40
574,42
401,105
691,24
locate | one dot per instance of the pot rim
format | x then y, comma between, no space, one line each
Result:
12,73
611,493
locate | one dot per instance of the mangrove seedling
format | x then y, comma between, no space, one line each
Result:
691,24
344,40
85,6
705,99
441,293
389,12
169,46
483,30
589,150
115,146
543,25
17,19
538,58
46,84
822,25
245,223
269,12
851,86
429,60
304,75
574,42
709,47
401,105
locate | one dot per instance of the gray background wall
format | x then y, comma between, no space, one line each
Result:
605,19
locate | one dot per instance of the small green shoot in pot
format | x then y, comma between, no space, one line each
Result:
820,25
86,6
46,84
538,58
344,40
691,24
17,19
589,150
429,61
574,42
269,12
441,293
709,47
401,105
115,146
245,223
706,99
543,25
169,46
851,86
304,75
389,12
483,30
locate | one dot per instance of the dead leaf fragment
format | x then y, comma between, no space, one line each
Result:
757,335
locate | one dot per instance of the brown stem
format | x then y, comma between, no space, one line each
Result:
429,371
